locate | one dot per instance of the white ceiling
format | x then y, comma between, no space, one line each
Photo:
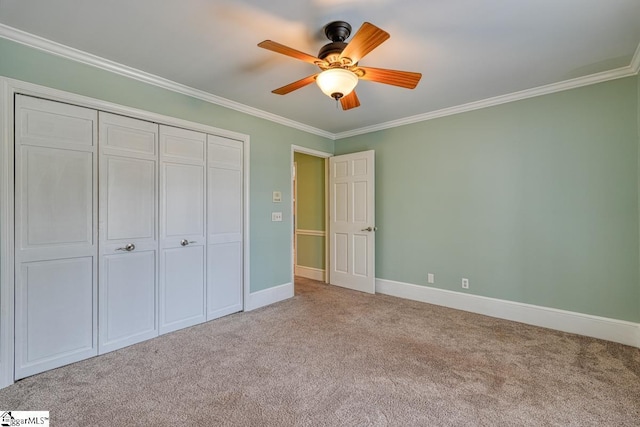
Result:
467,50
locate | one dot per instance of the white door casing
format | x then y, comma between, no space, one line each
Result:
182,228
55,235
224,226
128,231
352,221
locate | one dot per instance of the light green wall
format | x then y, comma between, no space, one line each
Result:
270,142
534,201
311,251
310,181
311,209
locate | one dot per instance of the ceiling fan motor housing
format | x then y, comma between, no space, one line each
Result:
337,32
331,51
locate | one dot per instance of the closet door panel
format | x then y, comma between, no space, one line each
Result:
182,145
128,231
184,200
224,229
225,205
182,228
225,279
224,153
129,299
55,304
43,172
128,137
183,292
131,198
53,124
55,235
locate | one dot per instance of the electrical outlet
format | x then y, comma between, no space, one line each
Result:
431,278
276,216
465,283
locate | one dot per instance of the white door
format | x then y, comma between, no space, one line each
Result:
55,235
224,226
128,231
182,228
352,221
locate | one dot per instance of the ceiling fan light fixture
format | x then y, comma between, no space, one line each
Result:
339,61
337,82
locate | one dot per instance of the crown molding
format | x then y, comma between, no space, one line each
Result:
635,61
604,76
58,49
77,55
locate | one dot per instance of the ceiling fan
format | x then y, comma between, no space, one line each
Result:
339,63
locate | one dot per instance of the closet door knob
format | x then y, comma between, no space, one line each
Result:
128,247
185,242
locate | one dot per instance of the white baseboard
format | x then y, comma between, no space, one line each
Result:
310,272
619,331
269,296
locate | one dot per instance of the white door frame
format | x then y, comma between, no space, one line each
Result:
8,89
324,155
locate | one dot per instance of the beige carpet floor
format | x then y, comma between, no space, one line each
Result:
334,357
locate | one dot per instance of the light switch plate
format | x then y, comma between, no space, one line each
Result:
276,216
277,197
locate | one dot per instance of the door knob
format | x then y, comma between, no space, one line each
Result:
185,242
128,247
369,229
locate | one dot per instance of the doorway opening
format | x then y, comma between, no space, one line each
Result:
310,213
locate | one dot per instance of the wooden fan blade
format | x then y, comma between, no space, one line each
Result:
366,39
404,79
350,101
289,51
295,85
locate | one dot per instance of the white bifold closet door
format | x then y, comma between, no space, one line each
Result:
55,238
182,228
224,228
128,231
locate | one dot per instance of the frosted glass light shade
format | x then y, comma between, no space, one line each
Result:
337,82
